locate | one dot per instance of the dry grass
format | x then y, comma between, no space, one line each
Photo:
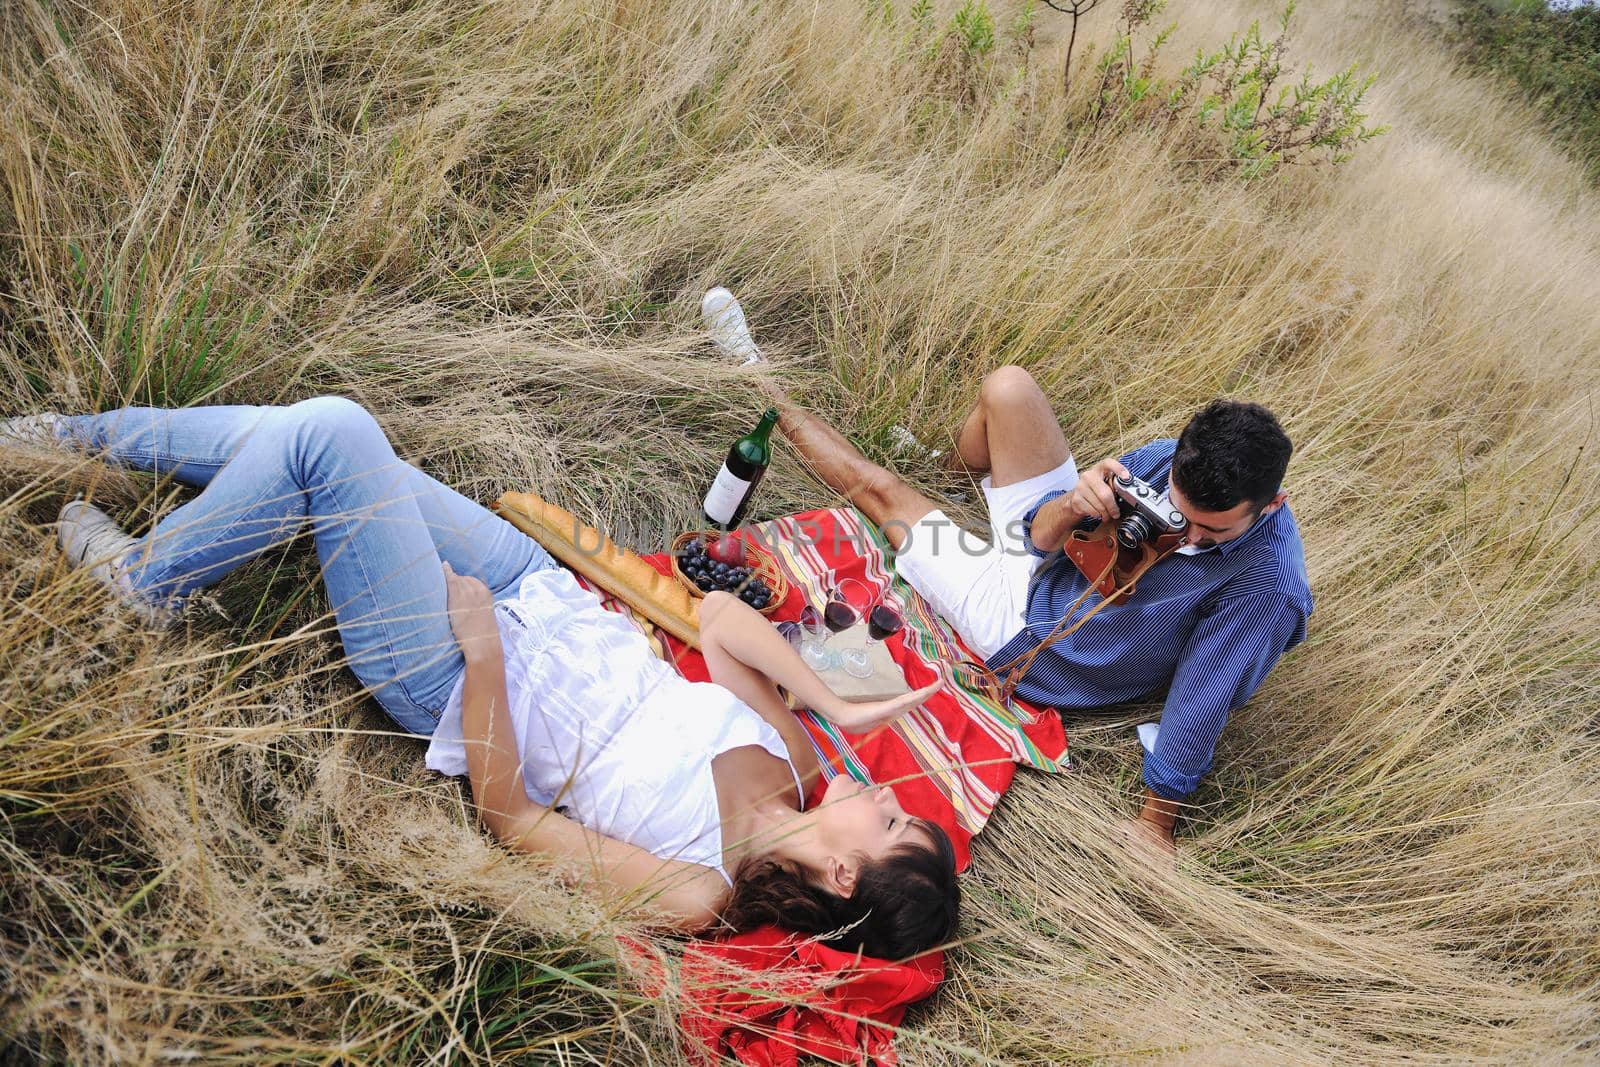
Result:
492,223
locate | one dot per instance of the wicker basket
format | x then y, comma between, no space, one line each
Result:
761,563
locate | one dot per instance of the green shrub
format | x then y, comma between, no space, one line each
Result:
1238,90
1243,90
1552,55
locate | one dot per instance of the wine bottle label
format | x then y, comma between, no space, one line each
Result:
725,496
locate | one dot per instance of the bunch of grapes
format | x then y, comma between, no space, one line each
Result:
707,573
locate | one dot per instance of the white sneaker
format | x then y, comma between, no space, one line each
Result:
724,321
91,538
32,431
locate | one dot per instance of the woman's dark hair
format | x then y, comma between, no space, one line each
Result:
902,906
1231,451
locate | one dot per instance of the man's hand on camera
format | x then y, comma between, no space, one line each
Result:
1092,497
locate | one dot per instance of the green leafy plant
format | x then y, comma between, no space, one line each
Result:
1126,81
963,57
1552,54
962,54
922,13
1234,88
1239,91
974,27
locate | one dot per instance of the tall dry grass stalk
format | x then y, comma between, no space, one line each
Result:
491,224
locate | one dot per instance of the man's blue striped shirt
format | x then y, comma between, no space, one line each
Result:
1207,627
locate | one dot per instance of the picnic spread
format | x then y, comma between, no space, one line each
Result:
949,760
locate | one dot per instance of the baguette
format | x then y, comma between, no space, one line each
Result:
658,597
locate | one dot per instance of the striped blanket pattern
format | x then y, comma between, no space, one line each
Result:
951,759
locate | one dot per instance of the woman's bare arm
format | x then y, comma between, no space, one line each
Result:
685,895
754,688
731,630
494,764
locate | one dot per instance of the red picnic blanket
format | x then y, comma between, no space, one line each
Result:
767,998
949,761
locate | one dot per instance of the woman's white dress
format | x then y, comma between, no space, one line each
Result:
606,729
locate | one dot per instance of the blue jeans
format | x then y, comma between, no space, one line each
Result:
381,528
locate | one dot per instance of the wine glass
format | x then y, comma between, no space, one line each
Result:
884,620
848,602
814,648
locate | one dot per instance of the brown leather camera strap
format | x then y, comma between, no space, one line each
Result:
991,682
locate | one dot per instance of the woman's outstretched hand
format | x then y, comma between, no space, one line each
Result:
859,717
471,610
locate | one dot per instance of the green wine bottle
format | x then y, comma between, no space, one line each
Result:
730,495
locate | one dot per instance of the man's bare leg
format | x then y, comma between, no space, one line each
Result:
1011,432
891,504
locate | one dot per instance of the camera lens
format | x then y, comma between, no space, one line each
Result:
1133,531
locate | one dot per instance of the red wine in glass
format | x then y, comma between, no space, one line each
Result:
884,622
839,616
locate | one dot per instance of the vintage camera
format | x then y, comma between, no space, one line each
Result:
1146,513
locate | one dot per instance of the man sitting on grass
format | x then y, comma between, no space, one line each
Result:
1206,624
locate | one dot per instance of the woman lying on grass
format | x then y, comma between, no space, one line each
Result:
466,631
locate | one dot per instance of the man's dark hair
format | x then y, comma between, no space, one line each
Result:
1231,451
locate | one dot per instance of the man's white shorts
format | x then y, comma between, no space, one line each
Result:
981,588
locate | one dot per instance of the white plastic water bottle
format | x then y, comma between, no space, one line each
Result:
905,441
